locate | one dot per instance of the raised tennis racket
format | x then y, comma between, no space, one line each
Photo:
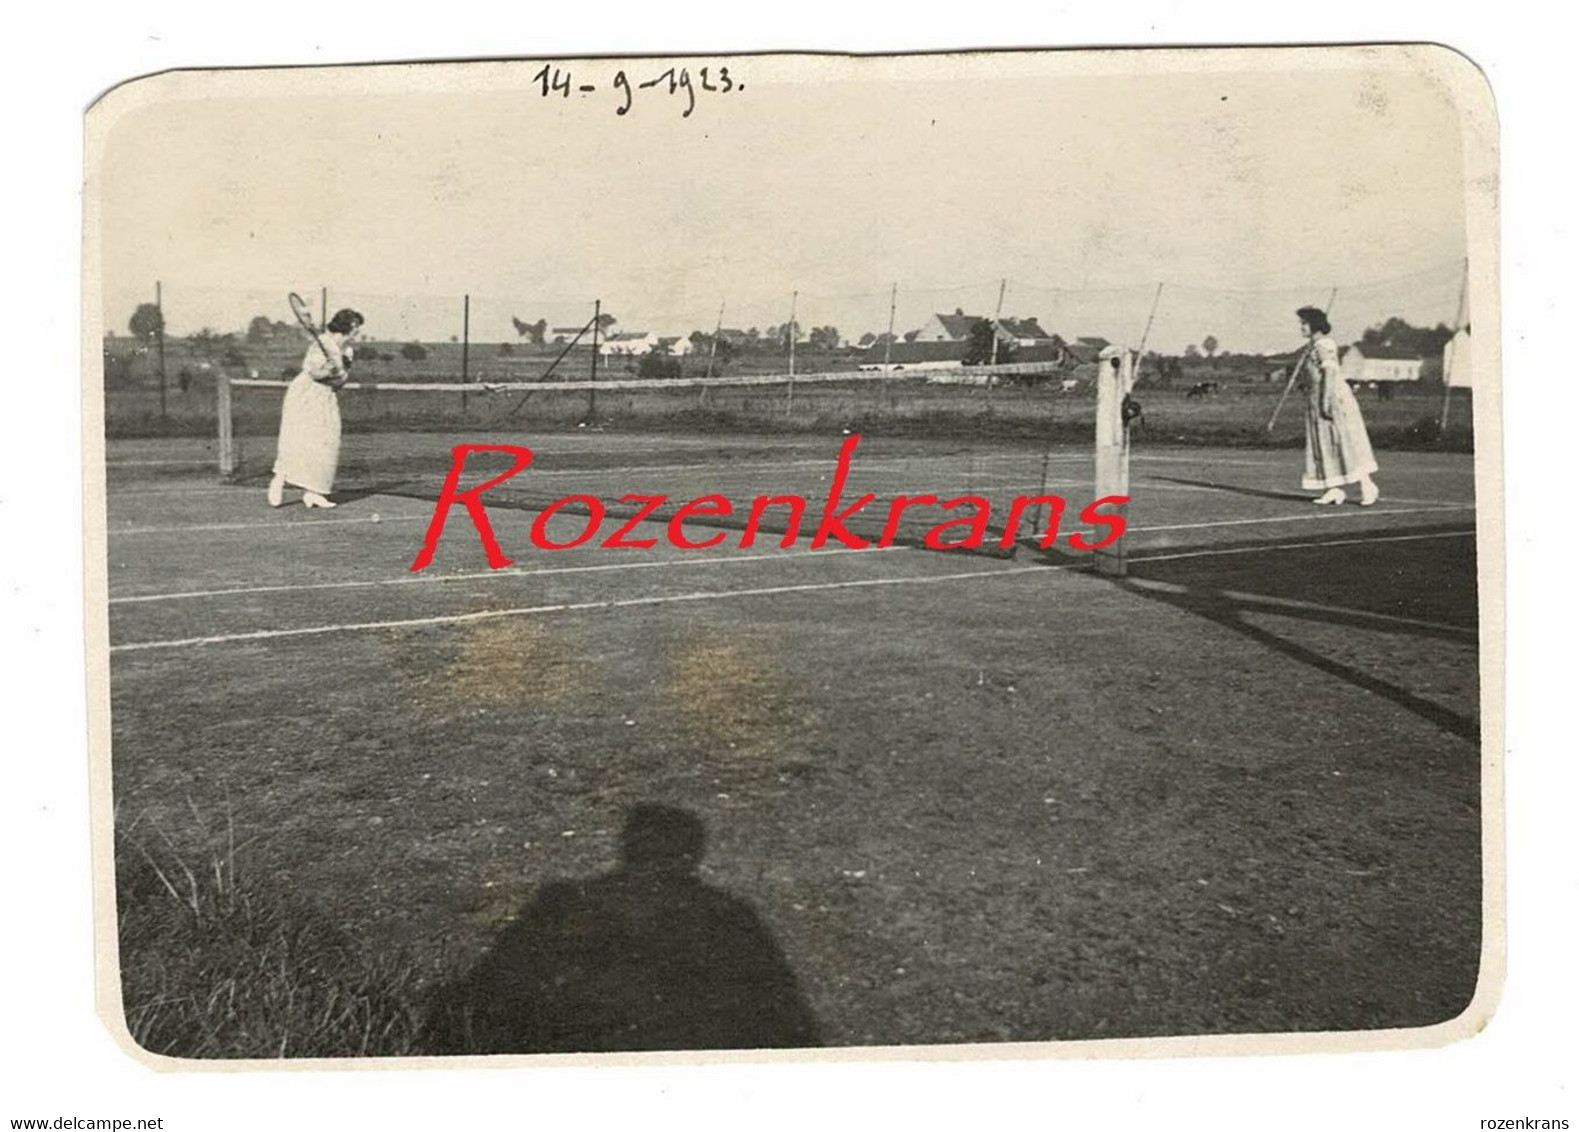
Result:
304,315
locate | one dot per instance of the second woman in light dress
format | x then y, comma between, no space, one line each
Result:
1337,448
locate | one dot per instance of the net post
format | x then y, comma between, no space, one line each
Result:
227,439
1115,374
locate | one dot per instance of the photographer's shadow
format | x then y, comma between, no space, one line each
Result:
646,957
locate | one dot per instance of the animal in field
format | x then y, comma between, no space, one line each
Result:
1203,389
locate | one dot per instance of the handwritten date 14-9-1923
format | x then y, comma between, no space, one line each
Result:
675,81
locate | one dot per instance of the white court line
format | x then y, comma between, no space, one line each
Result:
573,607
209,457
830,461
175,490
170,490
1326,514
265,525
1433,503
481,575
1275,456
1272,458
1274,605
887,466
1138,490
1220,551
194,462
310,524
1063,454
915,466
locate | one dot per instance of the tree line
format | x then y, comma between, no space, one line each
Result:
983,345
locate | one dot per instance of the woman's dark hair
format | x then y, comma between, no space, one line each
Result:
1315,318
345,321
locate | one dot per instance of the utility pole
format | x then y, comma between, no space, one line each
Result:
888,342
712,351
1458,324
592,393
466,339
789,329
997,316
159,303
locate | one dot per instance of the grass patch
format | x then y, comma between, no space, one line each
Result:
217,962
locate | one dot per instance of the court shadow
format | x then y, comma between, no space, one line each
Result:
1425,573
1234,489
396,488
1419,585
645,957
346,494
1234,609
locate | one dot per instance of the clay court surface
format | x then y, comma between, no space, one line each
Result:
972,798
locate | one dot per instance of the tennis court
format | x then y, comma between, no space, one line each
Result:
972,797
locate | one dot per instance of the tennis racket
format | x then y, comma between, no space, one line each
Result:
1293,374
304,315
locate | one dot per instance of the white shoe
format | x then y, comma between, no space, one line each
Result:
1333,497
276,491
1369,494
313,499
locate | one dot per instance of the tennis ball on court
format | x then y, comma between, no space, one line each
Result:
375,516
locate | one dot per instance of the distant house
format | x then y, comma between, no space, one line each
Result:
916,355
627,344
959,326
674,345
1457,361
559,335
1378,363
1025,332
954,327
1054,351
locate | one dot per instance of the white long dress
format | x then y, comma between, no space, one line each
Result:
1337,451
309,447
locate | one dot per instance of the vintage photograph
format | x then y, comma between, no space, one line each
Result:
983,552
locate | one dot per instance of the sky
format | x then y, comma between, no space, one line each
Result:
1245,183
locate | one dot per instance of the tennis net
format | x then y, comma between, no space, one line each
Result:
984,431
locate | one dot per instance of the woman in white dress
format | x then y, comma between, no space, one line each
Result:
309,447
1337,449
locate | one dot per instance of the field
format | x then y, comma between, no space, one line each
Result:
946,797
